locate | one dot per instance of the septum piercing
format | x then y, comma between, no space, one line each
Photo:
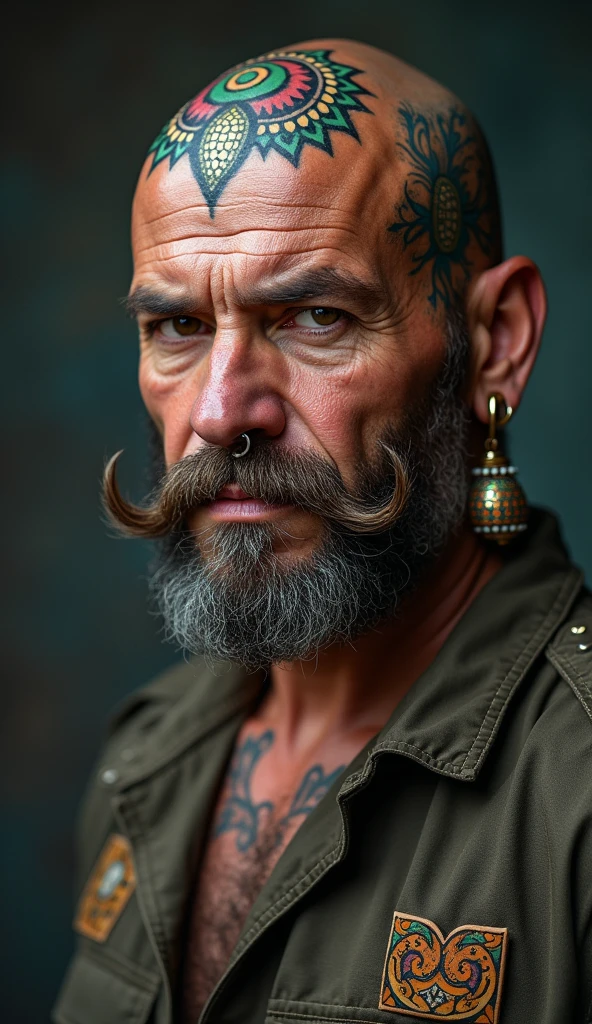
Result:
247,439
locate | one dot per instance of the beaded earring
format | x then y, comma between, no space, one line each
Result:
497,505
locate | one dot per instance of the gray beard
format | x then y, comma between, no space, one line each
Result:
242,605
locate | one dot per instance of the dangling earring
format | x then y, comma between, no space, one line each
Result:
497,505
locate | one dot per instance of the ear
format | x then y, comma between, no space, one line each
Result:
506,311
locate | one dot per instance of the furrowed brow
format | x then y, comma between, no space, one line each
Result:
153,303
315,285
308,286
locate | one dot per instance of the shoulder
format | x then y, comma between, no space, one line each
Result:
570,653
558,704
545,749
564,748
150,729
136,731
554,734
148,704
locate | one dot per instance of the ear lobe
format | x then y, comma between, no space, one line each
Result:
506,311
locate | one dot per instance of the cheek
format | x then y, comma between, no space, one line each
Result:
346,410
169,403
149,391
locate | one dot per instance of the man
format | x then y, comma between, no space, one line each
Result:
366,797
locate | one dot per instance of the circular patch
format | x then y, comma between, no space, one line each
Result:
252,84
247,79
274,90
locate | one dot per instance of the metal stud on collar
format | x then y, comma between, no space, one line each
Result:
247,446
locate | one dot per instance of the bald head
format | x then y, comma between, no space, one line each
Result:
343,125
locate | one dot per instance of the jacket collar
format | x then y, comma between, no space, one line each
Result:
449,718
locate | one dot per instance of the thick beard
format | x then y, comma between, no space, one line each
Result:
242,605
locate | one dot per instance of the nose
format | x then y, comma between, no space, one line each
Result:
241,391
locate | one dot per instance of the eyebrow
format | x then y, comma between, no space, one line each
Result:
154,303
324,284
315,285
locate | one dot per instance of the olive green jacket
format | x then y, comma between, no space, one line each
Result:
470,813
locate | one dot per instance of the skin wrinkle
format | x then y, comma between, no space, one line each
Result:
374,291
225,290
265,205
268,228
381,320
296,207
244,252
323,286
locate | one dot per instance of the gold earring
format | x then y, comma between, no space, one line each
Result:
497,505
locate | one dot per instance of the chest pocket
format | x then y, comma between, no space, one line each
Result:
97,990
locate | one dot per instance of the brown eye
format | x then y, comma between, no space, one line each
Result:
324,316
186,324
319,316
181,327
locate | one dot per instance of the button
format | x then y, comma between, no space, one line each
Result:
584,647
110,775
578,629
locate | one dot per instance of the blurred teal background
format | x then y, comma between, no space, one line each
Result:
93,84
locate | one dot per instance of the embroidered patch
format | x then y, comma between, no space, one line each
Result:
107,891
458,978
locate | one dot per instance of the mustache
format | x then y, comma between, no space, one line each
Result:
291,476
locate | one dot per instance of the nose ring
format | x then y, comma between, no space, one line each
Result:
247,440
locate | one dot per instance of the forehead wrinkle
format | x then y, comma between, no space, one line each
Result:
254,202
274,185
290,256
287,278
267,230
178,220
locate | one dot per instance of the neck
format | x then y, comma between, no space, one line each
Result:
354,688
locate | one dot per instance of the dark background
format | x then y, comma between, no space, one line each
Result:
91,86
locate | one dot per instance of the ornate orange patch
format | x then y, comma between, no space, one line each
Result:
458,978
107,891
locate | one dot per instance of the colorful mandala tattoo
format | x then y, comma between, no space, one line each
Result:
281,102
448,199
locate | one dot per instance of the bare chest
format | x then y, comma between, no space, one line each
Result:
250,831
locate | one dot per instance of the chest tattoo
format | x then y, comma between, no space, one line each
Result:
239,812
247,840
242,815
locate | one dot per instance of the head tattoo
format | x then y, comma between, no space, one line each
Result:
450,199
281,102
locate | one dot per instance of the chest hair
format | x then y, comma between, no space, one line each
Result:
228,885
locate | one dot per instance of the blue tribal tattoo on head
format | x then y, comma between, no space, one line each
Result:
449,208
